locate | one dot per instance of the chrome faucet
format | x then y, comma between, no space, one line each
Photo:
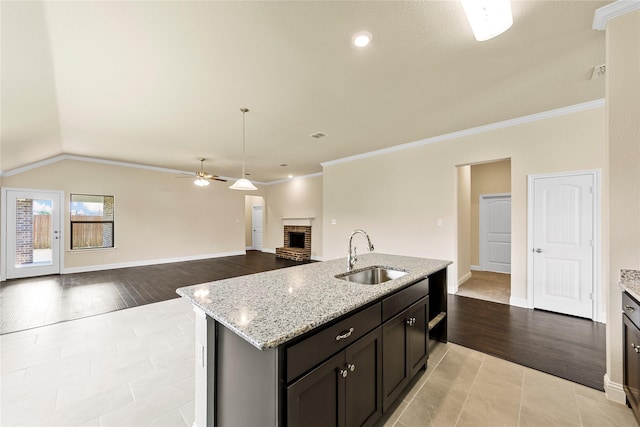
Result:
352,258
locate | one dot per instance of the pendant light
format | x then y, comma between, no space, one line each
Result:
243,183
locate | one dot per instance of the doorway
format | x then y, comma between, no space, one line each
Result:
484,244
562,241
32,232
254,218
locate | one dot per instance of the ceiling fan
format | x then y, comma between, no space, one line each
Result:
202,177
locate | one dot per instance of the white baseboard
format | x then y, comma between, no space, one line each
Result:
316,258
99,267
475,268
464,278
614,391
269,250
519,302
248,248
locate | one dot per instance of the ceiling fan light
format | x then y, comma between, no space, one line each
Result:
243,184
201,182
488,18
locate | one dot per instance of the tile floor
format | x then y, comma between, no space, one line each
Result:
134,367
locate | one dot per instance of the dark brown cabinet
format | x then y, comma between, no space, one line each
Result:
344,391
631,354
405,349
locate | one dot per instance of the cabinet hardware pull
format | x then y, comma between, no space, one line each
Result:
343,373
411,321
351,367
633,346
344,335
629,308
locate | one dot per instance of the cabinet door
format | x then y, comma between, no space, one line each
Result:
394,359
364,380
417,336
631,364
317,399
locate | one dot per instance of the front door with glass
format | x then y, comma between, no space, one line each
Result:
33,233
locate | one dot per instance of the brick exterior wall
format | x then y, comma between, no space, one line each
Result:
24,231
296,254
107,229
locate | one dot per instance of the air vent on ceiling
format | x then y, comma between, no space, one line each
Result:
599,71
318,135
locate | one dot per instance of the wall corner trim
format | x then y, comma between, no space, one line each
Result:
613,10
519,302
614,391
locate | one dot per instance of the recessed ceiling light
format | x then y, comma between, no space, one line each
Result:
290,176
361,39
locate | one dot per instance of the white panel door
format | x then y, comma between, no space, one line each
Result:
563,251
256,228
495,233
33,233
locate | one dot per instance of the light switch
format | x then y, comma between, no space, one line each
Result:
439,223
334,222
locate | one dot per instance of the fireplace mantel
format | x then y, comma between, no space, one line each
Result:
301,221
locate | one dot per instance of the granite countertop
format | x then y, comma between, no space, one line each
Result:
268,309
630,282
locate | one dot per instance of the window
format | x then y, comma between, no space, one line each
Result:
91,221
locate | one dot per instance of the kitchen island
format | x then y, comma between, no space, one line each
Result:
298,346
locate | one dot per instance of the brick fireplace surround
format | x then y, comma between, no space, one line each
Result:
296,254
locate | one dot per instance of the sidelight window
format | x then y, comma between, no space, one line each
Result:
91,221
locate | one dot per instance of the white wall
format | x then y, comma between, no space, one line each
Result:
623,139
157,217
464,223
398,197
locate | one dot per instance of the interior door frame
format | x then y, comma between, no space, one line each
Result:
3,226
598,293
482,226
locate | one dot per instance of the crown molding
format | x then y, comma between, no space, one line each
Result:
62,157
613,10
474,131
458,134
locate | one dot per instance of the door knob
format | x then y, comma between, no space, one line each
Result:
537,250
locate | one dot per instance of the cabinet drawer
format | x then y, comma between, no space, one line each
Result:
631,308
311,351
403,299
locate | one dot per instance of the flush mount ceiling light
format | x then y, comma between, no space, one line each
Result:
243,183
361,39
488,18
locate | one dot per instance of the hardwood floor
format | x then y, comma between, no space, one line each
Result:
38,301
564,346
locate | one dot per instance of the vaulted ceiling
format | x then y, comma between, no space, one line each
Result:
162,83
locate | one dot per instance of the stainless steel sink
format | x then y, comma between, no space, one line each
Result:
371,275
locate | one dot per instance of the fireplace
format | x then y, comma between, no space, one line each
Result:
297,243
296,239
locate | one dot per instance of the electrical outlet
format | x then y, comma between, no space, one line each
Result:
334,222
439,222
